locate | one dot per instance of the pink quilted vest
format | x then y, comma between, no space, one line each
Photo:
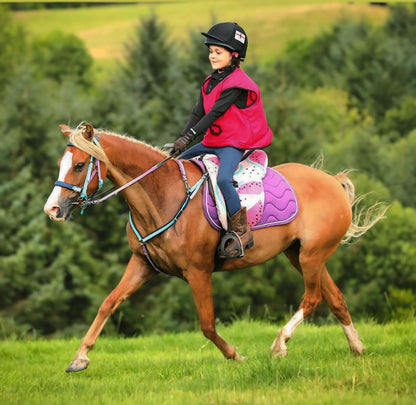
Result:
244,128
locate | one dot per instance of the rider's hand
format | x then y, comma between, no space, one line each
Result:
179,146
182,142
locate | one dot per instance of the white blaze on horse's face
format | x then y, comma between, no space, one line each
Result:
51,207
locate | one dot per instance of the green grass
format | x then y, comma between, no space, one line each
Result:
187,369
269,23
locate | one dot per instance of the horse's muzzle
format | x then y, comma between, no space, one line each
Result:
61,211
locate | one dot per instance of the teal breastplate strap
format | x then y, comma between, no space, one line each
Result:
190,194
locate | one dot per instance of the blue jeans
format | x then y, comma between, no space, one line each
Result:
229,159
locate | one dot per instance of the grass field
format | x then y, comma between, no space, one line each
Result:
270,24
186,369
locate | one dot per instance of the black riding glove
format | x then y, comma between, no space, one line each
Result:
183,141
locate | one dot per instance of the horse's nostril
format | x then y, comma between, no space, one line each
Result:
53,212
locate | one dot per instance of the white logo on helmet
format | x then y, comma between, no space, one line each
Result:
239,36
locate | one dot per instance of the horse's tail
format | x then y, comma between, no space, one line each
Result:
363,218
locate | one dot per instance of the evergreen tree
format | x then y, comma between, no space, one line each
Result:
399,120
59,56
402,22
149,98
49,274
12,47
321,60
195,61
377,67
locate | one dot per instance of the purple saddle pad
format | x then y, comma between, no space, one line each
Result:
280,203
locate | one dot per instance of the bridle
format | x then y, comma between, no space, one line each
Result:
94,168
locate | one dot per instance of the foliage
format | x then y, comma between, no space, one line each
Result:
399,120
347,94
12,46
398,169
375,66
384,259
58,56
144,97
195,61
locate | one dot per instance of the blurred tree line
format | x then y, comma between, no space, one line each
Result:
348,94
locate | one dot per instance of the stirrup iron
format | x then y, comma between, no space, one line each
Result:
236,247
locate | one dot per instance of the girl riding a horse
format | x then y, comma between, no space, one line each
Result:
230,114
187,250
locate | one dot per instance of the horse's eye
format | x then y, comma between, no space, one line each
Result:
79,166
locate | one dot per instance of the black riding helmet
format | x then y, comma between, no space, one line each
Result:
229,35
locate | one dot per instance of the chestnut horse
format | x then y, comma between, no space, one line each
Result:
157,199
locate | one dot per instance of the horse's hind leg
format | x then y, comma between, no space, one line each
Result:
335,300
310,266
201,286
136,274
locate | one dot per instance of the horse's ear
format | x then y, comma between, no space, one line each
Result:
65,129
89,132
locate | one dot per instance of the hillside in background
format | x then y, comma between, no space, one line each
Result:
270,24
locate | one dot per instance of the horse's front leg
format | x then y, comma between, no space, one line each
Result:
136,274
201,286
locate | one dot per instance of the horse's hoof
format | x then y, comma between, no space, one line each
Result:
278,352
77,365
237,357
358,352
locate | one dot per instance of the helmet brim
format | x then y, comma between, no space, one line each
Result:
211,40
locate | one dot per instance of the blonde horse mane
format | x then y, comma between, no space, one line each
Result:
95,149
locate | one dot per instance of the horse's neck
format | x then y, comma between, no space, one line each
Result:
147,197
